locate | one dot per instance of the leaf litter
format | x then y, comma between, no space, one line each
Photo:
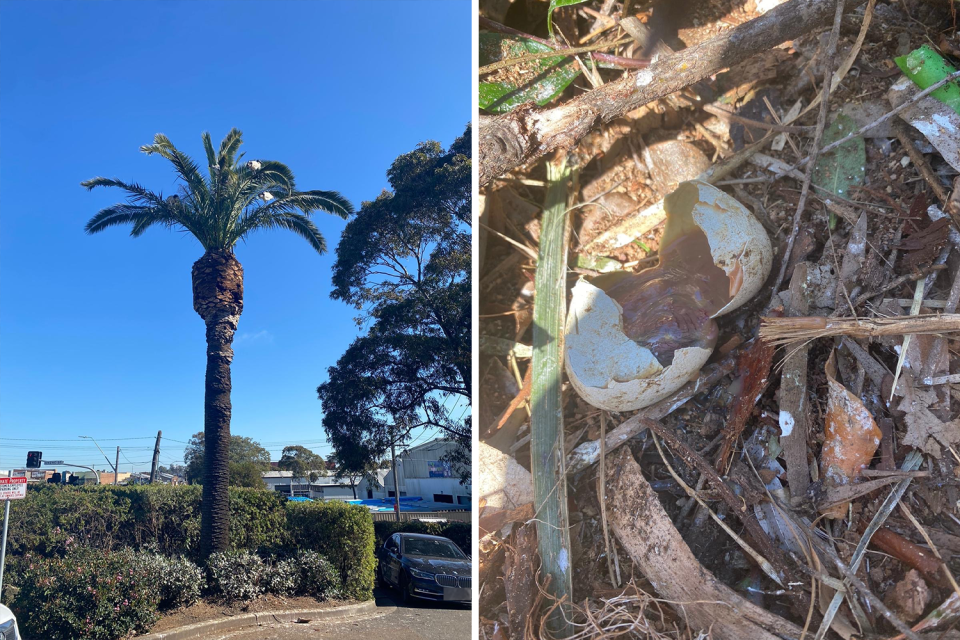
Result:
768,442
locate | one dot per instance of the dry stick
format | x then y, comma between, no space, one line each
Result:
588,453
757,124
876,123
785,330
910,463
735,503
933,547
567,51
603,498
821,123
527,133
874,600
631,63
926,172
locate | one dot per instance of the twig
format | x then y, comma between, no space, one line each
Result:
732,117
926,172
565,51
874,600
786,330
914,310
818,135
603,498
547,458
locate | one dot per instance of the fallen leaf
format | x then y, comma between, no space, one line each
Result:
852,437
838,170
909,597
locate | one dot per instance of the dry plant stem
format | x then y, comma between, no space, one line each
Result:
910,463
818,135
763,563
851,576
547,458
566,51
926,172
876,123
735,503
588,453
733,117
914,310
923,532
527,133
793,393
645,531
630,63
603,499
786,330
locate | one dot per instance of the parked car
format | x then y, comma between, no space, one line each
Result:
422,566
8,625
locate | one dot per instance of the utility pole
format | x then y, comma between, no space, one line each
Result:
156,459
116,468
396,482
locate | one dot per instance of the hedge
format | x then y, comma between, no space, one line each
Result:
166,519
344,534
161,517
459,532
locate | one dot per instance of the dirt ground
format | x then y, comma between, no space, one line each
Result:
823,455
205,611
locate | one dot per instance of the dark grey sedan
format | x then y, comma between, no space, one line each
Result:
422,566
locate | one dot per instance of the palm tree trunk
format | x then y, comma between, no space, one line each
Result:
218,298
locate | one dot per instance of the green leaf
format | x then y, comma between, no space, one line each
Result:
925,67
540,81
838,170
556,4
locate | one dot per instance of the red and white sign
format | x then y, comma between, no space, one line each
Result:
13,488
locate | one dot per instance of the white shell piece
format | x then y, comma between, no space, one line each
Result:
735,237
608,369
611,371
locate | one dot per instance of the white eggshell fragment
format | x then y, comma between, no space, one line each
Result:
610,370
613,372
738,242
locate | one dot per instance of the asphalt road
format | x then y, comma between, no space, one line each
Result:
423,620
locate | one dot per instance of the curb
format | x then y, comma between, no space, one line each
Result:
366,609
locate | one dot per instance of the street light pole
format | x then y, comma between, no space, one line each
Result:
115,473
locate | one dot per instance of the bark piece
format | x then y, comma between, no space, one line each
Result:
909,597
794,408
646,532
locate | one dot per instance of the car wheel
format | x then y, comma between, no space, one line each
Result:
406,589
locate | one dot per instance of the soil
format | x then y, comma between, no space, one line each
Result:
207,610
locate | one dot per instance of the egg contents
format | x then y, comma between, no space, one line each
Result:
647,334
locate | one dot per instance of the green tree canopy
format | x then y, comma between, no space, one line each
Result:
246,456
302,462
404,261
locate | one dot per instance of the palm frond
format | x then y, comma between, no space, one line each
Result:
295,222
277,172
136,192
228,148
208,147
184,164
116,215
327,201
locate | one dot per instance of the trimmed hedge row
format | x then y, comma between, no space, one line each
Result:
459,532
166,519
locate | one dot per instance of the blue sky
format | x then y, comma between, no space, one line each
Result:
98,336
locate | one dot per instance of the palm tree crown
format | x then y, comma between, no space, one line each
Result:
224,207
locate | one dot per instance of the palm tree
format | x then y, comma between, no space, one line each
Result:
219,210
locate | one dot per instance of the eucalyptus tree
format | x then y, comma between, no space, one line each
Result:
219,209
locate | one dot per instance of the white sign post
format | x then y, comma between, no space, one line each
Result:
10,489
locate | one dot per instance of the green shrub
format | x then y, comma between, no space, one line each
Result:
343,534
86,594
177,581
460,532
237,575
316,577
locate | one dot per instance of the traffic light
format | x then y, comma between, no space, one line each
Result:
33,459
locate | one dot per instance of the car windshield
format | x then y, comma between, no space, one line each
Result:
430,547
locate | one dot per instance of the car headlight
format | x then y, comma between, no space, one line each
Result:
8,630
423,575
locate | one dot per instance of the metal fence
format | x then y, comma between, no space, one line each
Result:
405,516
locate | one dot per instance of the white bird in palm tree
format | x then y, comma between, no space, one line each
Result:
267,196
254,165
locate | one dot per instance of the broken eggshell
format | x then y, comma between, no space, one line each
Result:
616,373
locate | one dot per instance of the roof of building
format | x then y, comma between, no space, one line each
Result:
328,480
